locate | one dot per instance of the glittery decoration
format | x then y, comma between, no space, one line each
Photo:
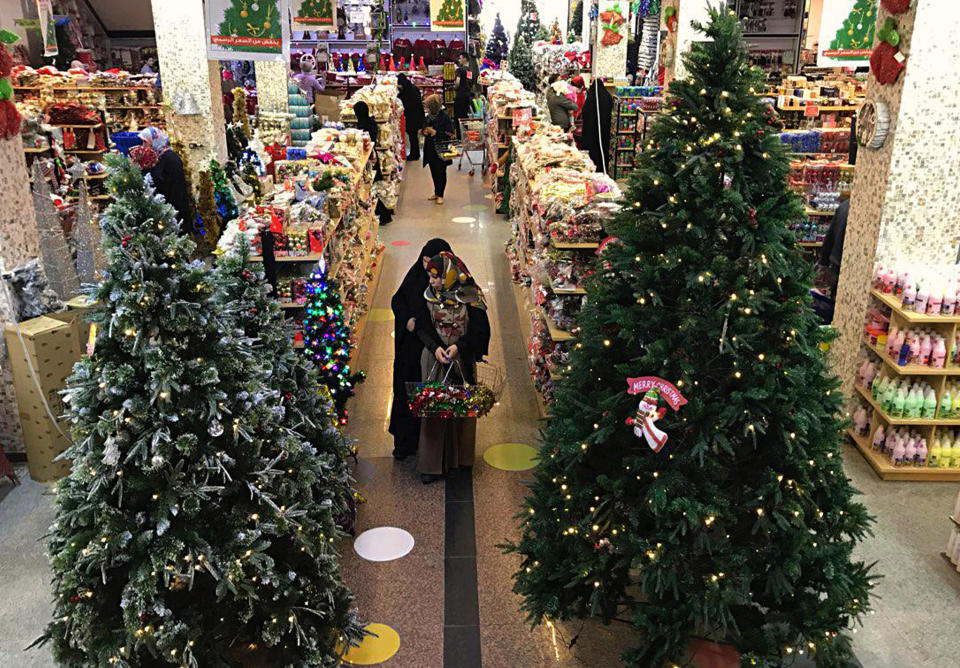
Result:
61,274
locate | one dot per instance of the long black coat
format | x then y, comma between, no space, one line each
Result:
169,180
412,107
596,125
445,133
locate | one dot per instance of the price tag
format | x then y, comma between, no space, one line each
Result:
811,110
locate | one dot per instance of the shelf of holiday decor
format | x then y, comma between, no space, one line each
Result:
881,465
830,109
574,245
556,334
84,151
95,177
910,369
371,289
919,422
312,257
564,291
139,106
82,88
34,149
896,306
524,308
810,244
76,126
817,212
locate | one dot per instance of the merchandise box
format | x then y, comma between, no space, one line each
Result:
43,355
327,106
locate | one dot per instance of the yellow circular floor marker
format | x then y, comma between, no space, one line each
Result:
380,315
511,456
376,648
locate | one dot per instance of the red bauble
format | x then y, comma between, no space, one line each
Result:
125,241
884,64
6,62
895,6
9,120
74,599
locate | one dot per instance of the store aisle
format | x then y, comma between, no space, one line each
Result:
431,596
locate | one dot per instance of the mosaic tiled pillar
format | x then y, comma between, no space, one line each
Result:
190,82
272,78
905,204
18,244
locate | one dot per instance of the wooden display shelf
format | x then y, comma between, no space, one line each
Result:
567,291
810,244
574,245
910,369
887,471
84,88
524,305
817,212
556,334
822,109
139,106
312,257
918,422
910,316
290,305
33,149
94,126
95,177
84,151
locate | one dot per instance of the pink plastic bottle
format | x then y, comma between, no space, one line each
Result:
949,303
894,346
878,437
939,355
889,281
910,451
878,276
914,344
920,459
935,302
898,453
920,306
926,349
909,297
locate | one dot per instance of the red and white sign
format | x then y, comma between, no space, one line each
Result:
649,411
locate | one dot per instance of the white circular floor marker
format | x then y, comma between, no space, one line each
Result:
383,544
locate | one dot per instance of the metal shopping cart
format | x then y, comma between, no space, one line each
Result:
473,137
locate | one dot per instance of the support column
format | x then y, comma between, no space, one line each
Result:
18,244
272,78
688,13
191,83
905,204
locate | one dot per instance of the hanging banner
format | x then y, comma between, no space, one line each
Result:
47,27
246,29
611,32
448,15
847,30
313,14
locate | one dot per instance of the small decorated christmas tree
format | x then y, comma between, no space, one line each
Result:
226,204
192,529
576,24
691,478
521,55
209,221
326,339
555,36
240,116
497,47
315,12
451,14
256,19
857,32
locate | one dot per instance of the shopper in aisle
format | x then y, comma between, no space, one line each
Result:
412,112
455,336
561,107
831,253
366,122
167,175
464,95
438,131
409,309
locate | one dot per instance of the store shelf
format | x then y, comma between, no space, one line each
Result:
84,151
810,244
67,125
139,106
556,334
817,212
95,177
313,257
887,471
919,422
822,109
910,316
290,305
573,245
32,149
910,369
567,291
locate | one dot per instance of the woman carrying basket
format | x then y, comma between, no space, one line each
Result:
455,338
437,132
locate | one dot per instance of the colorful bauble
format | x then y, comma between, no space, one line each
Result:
885,64
895,6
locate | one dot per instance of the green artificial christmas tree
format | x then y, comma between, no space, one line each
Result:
226,204
497,47
521,55
576,24
190,531
315,12
209,221
728,517
857,31
450,14
326,339
250,19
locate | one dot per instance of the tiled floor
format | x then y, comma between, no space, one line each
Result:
915,625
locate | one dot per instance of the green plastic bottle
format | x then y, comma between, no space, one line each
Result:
930,405
914,404
933,456
946,404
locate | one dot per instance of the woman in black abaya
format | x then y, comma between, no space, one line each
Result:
409,309
366,122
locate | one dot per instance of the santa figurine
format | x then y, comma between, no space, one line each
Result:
648,413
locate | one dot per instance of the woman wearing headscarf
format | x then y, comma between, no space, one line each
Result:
457,335
409,309
412,112
438,130
167,175
366,122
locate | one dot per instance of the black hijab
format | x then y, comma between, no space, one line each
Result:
365,121
412,102
408,302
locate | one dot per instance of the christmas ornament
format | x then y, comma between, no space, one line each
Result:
886,63
157,461
895,6
873,124
648,412
215,429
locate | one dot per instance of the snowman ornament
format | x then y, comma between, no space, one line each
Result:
644,422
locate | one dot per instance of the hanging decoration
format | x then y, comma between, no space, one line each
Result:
9,116
873,124
895,6
48,28
649,411
886,61
447,16
247,29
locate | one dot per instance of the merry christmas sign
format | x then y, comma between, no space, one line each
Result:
649,410
847,31
448,15
313,14
246,29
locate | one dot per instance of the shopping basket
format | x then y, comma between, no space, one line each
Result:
445,399
449,150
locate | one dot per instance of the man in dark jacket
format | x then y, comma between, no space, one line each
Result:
831,254
412,112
